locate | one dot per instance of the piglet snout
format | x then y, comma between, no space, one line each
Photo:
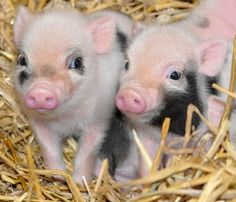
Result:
41,98
130,101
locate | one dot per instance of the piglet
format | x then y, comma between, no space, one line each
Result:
66,79
212,18
167,69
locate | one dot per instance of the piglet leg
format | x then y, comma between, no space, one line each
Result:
150,146
215,110
50,145
85,158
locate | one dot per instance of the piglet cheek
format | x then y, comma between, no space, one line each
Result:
152,99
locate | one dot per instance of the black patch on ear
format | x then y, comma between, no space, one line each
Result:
176,105
116,144
23,76
210,81
122,40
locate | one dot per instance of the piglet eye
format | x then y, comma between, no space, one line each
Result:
21,60
175,75
126,65
77,64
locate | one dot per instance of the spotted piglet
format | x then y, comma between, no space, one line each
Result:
66,79
212,18
167,69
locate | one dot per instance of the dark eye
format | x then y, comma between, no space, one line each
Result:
126,65
21,60
77,64
175,75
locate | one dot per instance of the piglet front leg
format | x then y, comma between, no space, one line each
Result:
50,144
150,143
85,158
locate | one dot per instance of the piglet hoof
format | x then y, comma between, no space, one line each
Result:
57,166
59,178
79,177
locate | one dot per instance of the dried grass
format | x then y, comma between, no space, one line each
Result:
191,176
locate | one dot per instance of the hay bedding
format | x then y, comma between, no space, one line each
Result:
199,177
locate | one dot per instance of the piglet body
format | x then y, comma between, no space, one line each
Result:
66,78
167,69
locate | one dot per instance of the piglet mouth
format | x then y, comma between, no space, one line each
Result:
42,111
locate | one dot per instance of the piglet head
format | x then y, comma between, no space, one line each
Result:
57,61
155,74
162,75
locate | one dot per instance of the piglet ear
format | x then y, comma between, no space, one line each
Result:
215,111
212,56
103,32
23,18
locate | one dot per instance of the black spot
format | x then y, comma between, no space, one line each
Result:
210,81
116,144
176,105
22,60
126,65
203,23
122,40
23,76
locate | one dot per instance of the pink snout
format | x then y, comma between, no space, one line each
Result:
130,101
41,98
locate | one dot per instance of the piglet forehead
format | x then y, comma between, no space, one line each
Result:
53,34
160,47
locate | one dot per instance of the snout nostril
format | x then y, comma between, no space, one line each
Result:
31,99
120,97
48,99
137,101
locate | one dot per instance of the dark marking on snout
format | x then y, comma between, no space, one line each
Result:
203,23
116,144
176,105
23,76
47,71
122,40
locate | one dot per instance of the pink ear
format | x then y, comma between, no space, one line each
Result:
23,17
212,56
215,110
103,32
